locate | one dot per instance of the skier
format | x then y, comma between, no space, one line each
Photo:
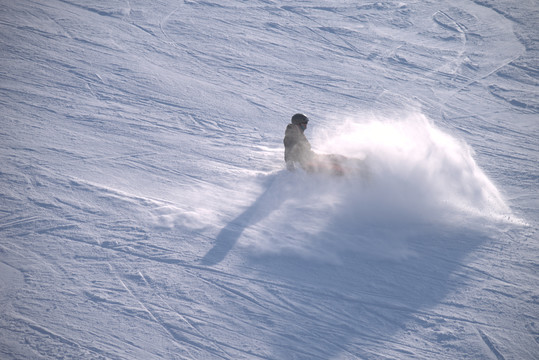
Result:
297,149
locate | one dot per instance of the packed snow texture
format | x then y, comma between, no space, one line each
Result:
146,212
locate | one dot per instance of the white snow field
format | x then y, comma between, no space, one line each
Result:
146,213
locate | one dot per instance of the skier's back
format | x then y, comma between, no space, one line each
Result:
297,148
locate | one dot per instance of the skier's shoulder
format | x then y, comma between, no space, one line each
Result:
292,130
291,127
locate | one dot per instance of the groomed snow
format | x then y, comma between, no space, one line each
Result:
145,211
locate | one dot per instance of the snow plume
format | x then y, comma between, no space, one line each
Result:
417,176
417,165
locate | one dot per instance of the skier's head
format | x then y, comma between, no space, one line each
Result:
300,120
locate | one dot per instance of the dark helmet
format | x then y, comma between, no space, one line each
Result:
299,119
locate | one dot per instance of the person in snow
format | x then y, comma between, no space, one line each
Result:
297,149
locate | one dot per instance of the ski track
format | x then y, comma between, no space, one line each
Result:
133,136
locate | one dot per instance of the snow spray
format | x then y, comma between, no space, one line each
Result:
420,177
416,165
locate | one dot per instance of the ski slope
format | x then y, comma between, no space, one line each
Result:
146,213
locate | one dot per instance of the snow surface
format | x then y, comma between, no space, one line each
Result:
146,213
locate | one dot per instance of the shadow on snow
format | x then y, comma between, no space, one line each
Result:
362,276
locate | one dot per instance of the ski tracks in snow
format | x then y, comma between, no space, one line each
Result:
134,134
490,345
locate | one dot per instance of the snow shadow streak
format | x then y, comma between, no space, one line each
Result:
264,205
